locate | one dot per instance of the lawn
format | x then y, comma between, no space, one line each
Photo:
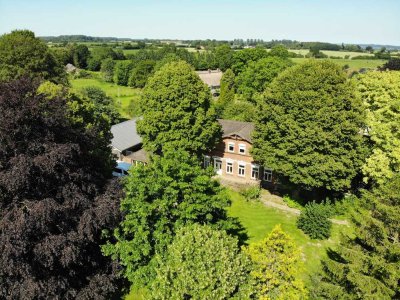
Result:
259,221
354,64
124,97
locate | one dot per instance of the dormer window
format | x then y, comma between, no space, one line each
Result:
231,147
242,148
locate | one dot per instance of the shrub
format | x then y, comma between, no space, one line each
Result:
251,193
314,220
293,203
82,74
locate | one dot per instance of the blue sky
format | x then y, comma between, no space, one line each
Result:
348,21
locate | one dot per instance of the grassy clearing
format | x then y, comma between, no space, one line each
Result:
125,98
354,64
259,221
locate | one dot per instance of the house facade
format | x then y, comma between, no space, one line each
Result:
232,159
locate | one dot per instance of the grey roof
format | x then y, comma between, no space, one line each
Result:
212,77
125,135
242,129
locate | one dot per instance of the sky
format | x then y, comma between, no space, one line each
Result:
347,21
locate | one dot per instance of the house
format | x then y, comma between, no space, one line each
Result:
127,143
212,78
231,159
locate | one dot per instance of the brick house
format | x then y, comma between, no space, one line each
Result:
232,160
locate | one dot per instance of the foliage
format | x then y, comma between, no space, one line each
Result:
103,105
223,56
251,193
107,69
140,73
201,263
392,64
99,54
227,91
122,71
292,203
242,58
307,127
170,192
55,200
80,55
22,54
256,77
380,92
177,111
279,51
366,265
240,111
314,220
277,265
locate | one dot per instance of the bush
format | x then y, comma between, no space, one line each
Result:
82,74
251,193
292,203
314,220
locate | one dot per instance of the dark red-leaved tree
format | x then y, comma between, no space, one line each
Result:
55,202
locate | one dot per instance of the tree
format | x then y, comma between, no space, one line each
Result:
55,201
140,73
369,49
103,104
107,69
170,192
256,77
314,220
380,92
122,72
177,111
242,58
223,56
22,54
366,265
240,110
80,54
99,54
201,263
277,266
279,51
392,64
308,125
227,94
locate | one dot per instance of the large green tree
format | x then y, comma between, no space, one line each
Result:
227,91
202,263
308,127
170,192
367,264
22,54
223,56
380,92
177,111
140,73
277,266
256,77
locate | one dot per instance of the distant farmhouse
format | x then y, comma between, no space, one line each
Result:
231,159
213,80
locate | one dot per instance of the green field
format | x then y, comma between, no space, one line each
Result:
354,64
259,221
125,98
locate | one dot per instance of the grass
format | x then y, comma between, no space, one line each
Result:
354,64
124,97
259,220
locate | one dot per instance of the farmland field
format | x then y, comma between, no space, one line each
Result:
354,64
125,98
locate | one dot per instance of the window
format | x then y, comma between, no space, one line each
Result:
231,147
268,175
255,172
242,148
229,167
206,161
241,169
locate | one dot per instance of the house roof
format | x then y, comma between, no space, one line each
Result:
242,129
212,77
139,155
125,135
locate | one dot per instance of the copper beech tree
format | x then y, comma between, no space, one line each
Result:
55,201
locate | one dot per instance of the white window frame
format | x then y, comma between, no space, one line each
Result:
242,165
233,147
242,147
255,167
229,163
267,175
207,161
